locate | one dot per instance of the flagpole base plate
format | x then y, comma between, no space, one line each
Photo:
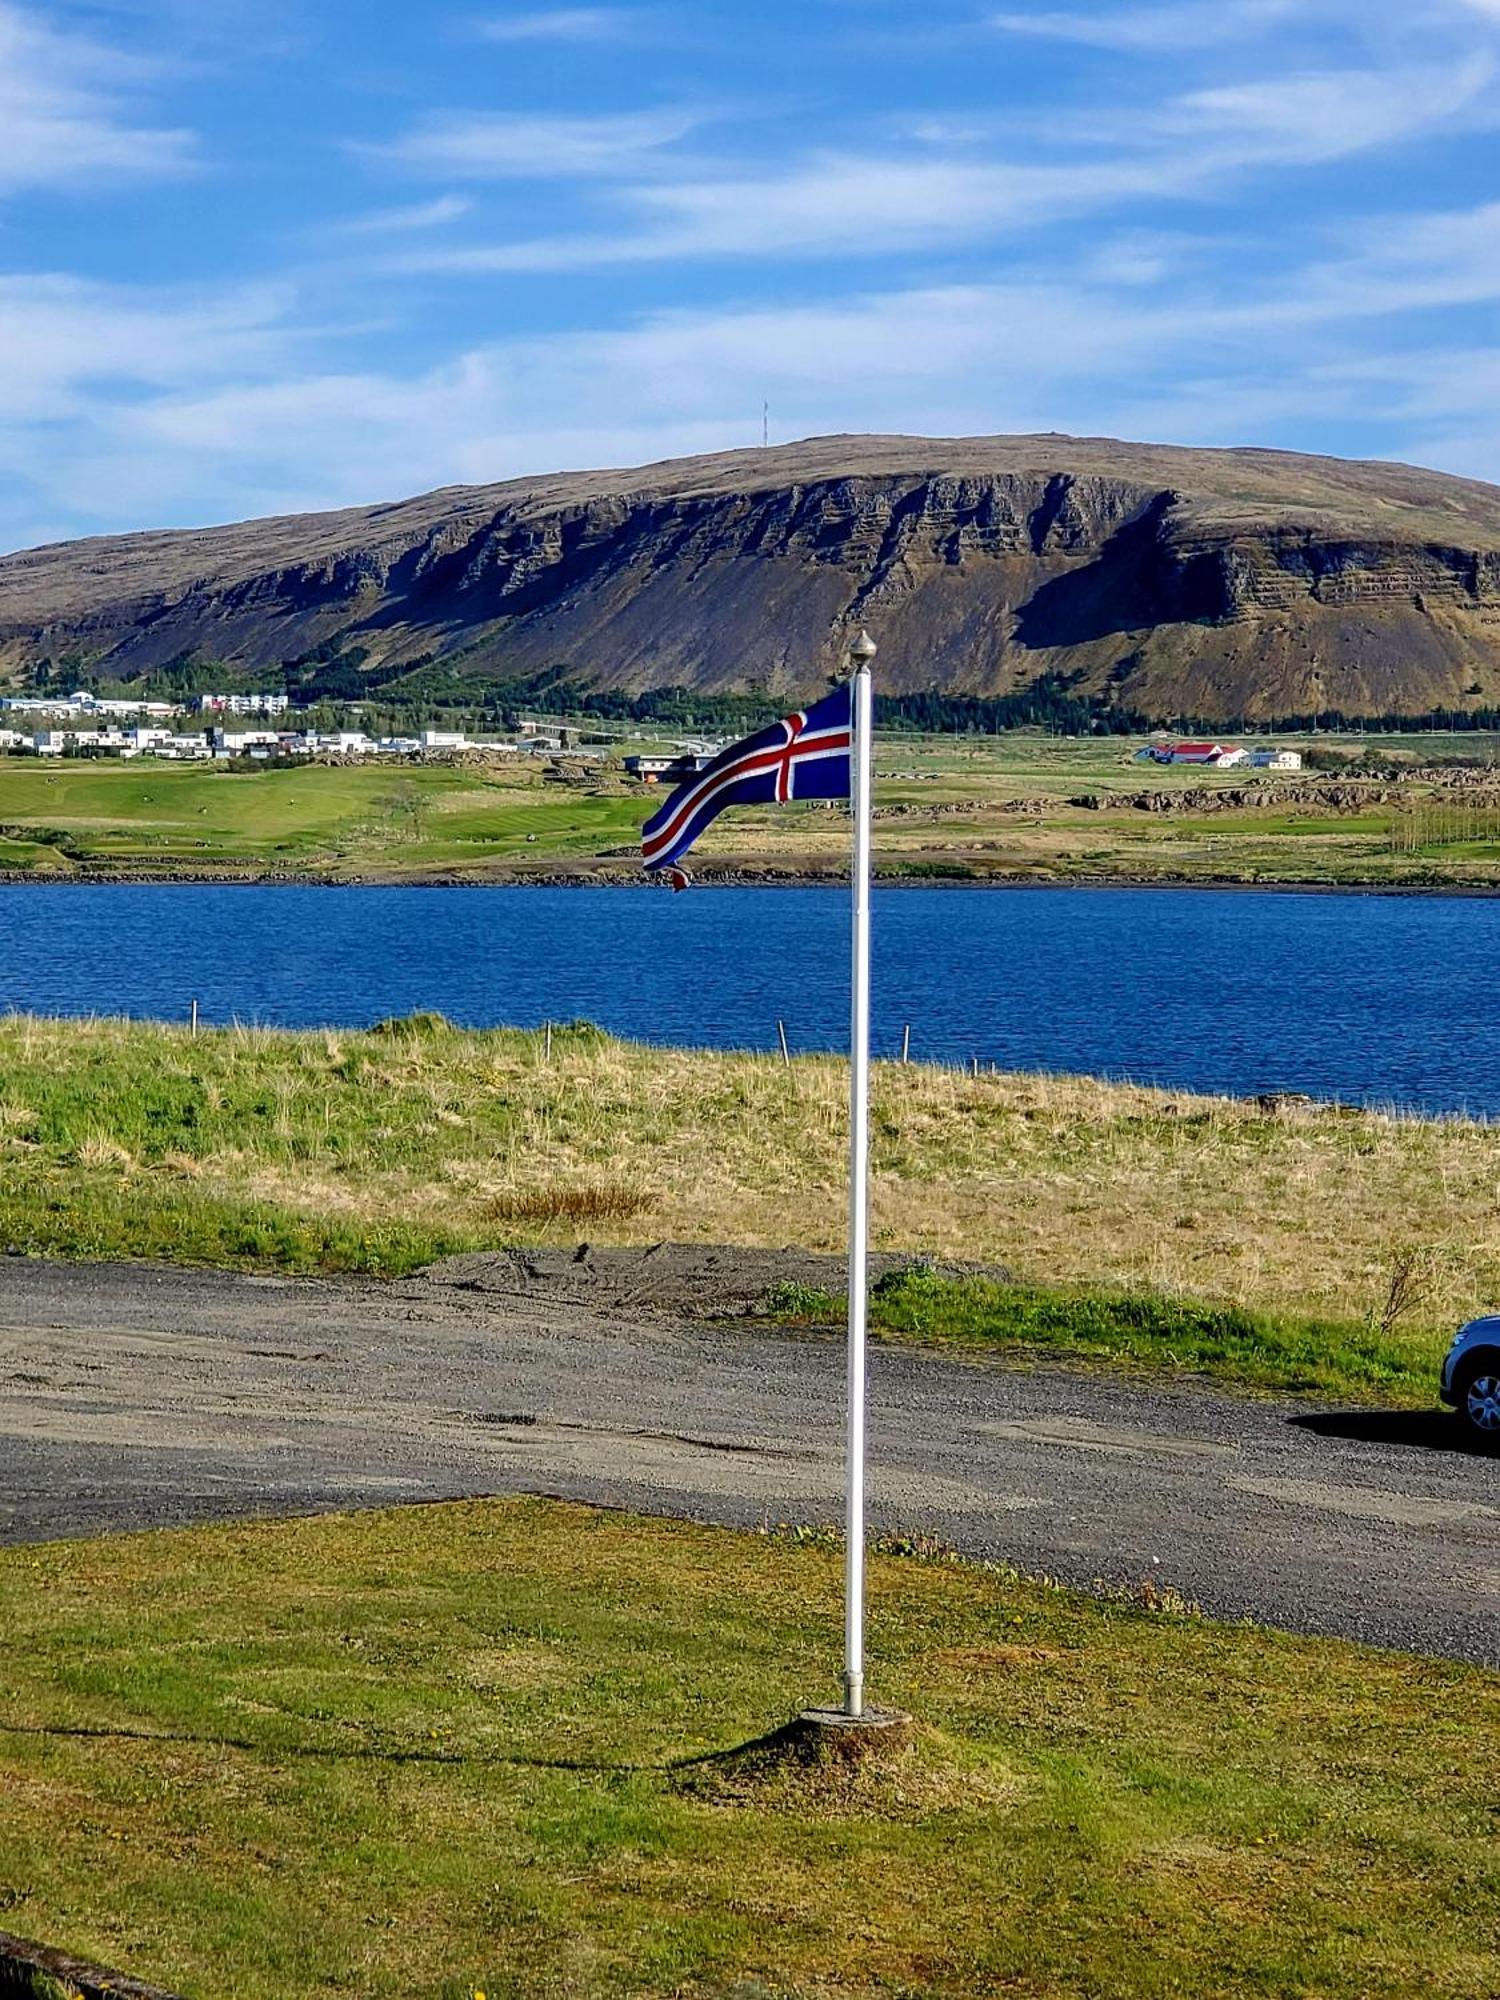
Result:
829,1735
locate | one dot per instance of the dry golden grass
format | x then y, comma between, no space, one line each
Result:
1068,1179
574,1207
459,1138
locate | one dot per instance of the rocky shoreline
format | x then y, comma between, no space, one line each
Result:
742,876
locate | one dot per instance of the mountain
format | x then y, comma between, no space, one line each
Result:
1174,581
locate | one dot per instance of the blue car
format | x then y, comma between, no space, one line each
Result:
1471,1378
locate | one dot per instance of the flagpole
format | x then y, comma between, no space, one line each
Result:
861,653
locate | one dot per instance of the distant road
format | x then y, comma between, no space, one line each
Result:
141,1397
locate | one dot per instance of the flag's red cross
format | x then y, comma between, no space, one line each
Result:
786,758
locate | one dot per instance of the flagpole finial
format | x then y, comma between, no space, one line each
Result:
862,649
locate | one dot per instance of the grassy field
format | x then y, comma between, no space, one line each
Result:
65,817
459,1750
1354,1240
976,807
1010,807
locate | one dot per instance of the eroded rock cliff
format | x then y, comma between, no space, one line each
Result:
1216,583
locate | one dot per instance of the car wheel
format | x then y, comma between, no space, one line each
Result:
1479,1402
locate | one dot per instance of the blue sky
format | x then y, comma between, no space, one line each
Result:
263,255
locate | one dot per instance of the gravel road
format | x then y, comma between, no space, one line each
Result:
135,1396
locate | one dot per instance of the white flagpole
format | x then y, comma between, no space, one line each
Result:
861,653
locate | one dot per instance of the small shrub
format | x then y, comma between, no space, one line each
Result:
1408,1290
804,1534
99,1150
587,1034
410,1026
1147,1595
913,1290
791,1300
915,1547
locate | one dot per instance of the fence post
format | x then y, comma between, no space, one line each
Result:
786,1054
195,1020
547,1042
906,1043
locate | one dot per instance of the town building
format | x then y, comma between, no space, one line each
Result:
244,742
660,770
1211,756
242,704
649,770
82,705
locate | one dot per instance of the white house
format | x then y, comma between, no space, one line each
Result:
1267,759
241,742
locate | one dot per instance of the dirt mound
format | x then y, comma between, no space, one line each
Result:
694,1279
808,1773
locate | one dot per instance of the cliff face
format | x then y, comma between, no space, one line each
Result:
1213,582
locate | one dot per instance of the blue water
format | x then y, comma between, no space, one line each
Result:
1364,998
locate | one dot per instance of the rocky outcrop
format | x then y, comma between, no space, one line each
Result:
1211,583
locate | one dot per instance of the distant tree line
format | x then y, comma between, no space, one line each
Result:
1049,703
1336,722
336,673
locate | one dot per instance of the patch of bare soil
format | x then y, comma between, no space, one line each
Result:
684,1279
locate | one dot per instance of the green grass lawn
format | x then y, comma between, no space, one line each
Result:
328,818
28,854
450,1750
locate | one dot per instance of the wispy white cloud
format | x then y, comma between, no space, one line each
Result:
504,145
675,382
1186,27
1397,264
1163,30
220,397
940,196
408,218
1310,118
121,407
559,24
831,204
223,397
62,338
1439,400
63,119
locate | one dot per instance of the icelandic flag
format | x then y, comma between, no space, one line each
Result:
805,756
